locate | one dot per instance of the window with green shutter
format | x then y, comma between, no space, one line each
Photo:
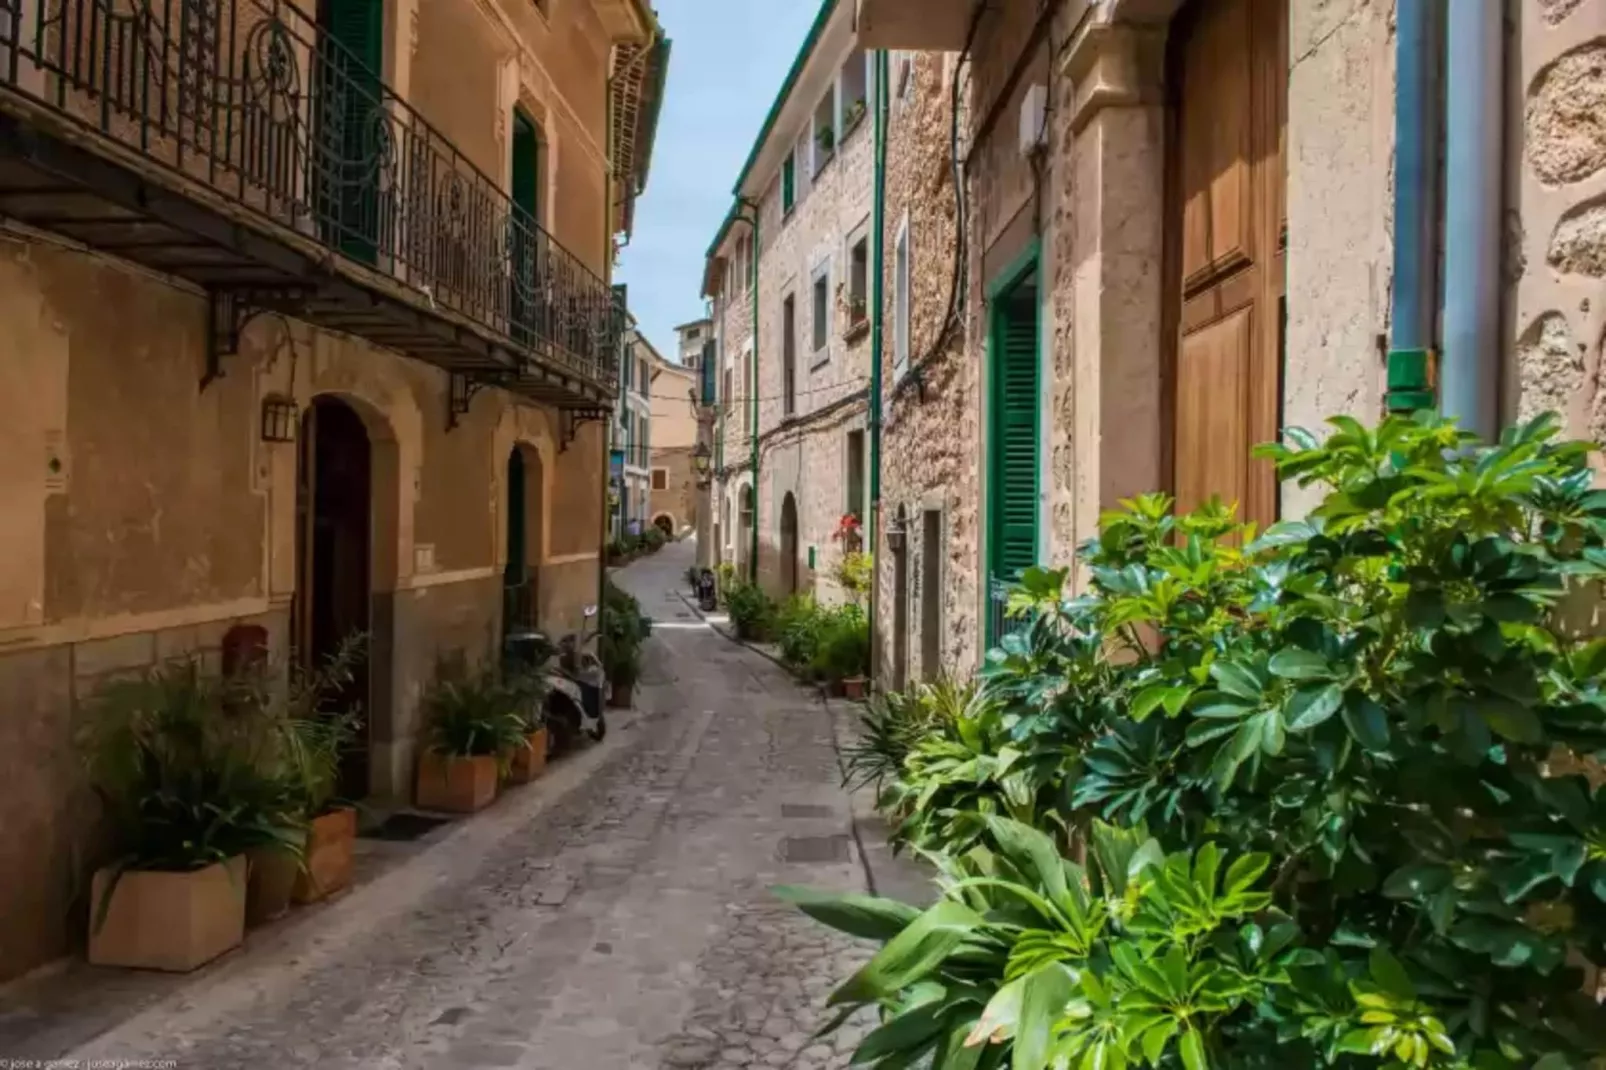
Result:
525,192
1014,446
350,69
789,182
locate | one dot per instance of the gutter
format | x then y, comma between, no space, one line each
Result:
877,339
1412,361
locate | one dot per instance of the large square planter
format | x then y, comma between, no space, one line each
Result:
620,696
454,784
272,881
327,865
167,921
529,761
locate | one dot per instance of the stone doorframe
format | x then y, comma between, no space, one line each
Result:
1111,183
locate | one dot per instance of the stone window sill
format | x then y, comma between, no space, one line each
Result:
856,330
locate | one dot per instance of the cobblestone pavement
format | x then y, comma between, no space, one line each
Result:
622,921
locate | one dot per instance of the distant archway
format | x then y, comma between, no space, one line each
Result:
665,523
789,544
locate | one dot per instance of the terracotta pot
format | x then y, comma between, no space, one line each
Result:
853,687
273,872
529,762
326,868
620,696
167,921
454,784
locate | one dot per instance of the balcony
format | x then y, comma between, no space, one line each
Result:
235,144
917,25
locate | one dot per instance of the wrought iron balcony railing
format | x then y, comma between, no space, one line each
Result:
254,114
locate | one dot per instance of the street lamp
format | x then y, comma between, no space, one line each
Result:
700,458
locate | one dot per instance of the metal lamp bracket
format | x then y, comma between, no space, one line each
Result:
227,313
571,421
460,394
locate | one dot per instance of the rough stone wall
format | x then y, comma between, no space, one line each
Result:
1340,213
1557,256
678,498
931,440
802,453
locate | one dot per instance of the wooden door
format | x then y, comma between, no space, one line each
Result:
1230,73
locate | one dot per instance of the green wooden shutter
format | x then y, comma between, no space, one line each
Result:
351,73
525,192
789,183
1013,501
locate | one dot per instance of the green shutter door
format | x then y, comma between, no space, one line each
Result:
525,192
1012,502
351,78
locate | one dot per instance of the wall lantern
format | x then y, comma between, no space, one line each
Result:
700,458
897,536
280,417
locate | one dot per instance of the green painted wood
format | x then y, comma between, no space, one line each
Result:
352,74
518,565
1014,446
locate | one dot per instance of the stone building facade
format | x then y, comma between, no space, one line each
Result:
1248,271
805,193
675,405
245,409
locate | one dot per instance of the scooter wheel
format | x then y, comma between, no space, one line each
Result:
600,731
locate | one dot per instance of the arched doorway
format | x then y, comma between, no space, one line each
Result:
334,503
522,573
789,544
666,524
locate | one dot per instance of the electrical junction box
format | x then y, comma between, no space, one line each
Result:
1034,120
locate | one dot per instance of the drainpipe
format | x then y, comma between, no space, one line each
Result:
1411,359
1475,83
749,215
877,339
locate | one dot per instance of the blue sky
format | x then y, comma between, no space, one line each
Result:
726,66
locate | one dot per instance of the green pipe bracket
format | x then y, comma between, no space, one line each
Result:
1412,380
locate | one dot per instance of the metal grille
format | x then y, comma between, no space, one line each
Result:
1001,623
260,104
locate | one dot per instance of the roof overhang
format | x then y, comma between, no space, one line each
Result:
921,25
636,89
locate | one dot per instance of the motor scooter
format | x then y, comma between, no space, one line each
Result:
574,702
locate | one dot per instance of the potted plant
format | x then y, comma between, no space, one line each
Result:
844,650
474,729
187,783
855,112
826,139
527,690
624,629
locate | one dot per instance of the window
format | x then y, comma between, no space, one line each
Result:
1013,443
855,91
859,282
822,310
694,334
660,479
645,382
855,502
789,183
825,131
727,396
900,299
789,355
903,69
628,372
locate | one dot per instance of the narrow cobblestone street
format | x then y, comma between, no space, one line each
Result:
616,915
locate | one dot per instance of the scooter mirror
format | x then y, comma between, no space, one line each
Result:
590,611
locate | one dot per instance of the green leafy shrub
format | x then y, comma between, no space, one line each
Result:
1390,700
893,723
855,573
623,630
473,713
1141,958
843,648
653,539
799,624
189,770
752,612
